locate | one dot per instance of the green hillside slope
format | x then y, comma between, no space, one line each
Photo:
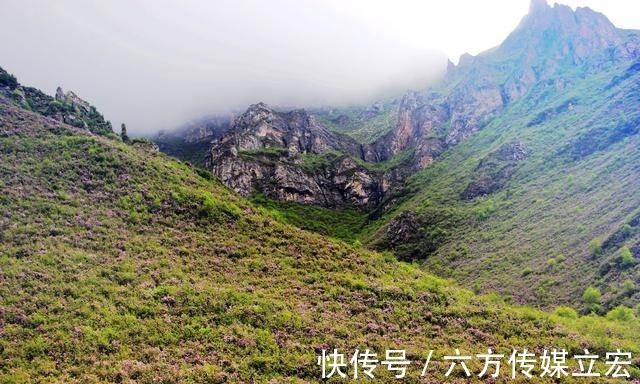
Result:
119,264
545,227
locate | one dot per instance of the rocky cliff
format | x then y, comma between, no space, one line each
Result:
548,43
290,156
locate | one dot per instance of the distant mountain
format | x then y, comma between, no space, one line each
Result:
191,141
535,190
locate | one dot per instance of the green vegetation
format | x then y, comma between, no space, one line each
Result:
266,152
570,197
362,128
312,162
595,246
342,224
592,298
402,158
119,264
621,314
626,257
123,133
7,79
267,155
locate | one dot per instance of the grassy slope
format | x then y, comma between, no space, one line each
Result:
343,224
554,205
120,264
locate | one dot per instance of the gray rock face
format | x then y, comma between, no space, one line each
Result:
419,128
290,156
72,99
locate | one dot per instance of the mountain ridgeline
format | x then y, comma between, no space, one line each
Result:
552,47
451,175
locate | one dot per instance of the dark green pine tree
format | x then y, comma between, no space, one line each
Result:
123,133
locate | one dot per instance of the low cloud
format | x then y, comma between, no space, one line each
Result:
157,64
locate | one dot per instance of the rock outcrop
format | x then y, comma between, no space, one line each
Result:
290,156
64,107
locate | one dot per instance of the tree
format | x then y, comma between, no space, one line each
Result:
626,257
595,246
123,133
592,299
621,313
8,80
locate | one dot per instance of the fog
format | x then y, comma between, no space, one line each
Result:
155,64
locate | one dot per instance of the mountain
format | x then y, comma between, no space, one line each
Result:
121,264
550,47
514,174
536,195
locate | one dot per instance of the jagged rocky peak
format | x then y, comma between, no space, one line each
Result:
255,115
296,131
561,35
549,43
66,107
71,98
538,6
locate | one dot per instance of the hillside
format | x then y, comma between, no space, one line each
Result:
120,264
541,202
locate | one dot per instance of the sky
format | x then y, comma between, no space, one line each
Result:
155,64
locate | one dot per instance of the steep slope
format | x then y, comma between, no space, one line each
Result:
119,264
552,44
540,202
